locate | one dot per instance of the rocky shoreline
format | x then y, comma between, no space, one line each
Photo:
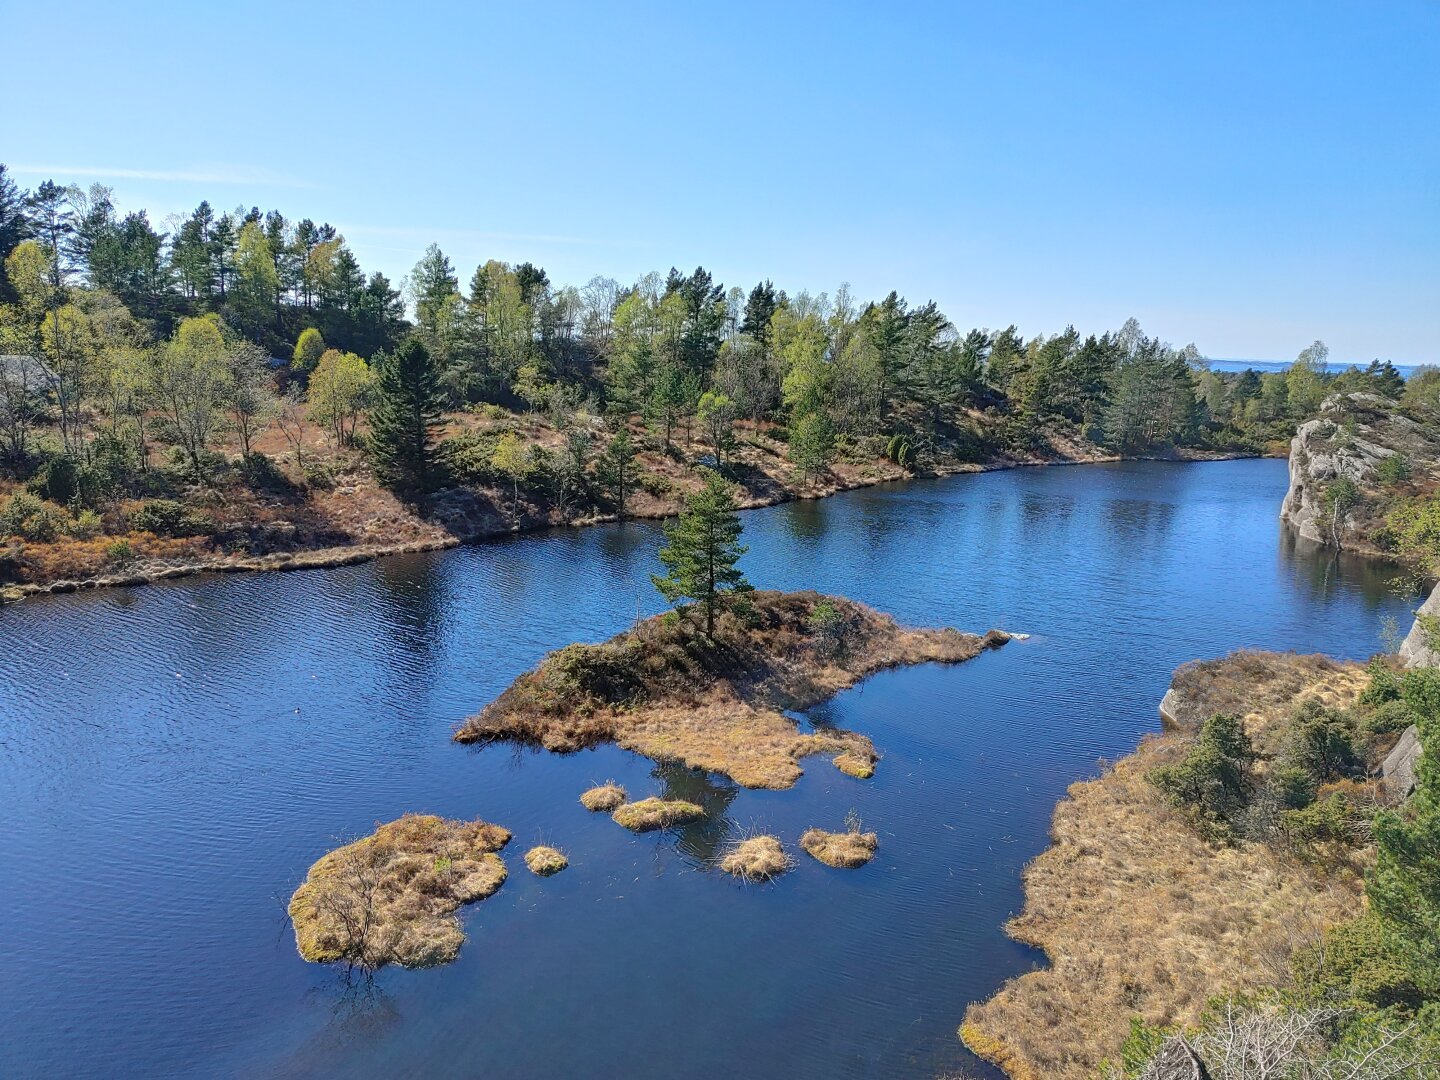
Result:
157,570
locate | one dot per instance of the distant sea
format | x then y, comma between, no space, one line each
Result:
1280,365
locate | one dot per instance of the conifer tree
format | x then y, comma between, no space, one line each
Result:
702,549
406,419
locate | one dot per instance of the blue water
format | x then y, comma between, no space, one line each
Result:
175,757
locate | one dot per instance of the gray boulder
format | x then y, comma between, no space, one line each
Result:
1397,774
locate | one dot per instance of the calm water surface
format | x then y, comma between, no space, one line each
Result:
175,757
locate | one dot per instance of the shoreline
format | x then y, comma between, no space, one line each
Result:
352,554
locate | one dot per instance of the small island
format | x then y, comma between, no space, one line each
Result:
669,691
709,684
390,897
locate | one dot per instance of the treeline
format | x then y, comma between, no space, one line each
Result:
114,328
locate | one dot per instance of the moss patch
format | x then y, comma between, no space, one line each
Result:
390,898
649,814
843,850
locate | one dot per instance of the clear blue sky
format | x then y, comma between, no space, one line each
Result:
1249,176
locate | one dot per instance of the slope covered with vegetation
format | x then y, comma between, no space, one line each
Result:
236,389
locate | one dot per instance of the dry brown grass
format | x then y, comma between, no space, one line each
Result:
668,692
390,898
1261,688
857,764
544,860
756,858
650,814
1139,915
844,850
604,798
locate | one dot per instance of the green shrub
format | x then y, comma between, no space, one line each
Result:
58,480
119,552
1213,782
166,517
1393,470
87,525
1321,742
32,518
471,457
1386,719
1384,683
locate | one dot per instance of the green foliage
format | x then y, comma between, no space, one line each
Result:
1393,470
1412,532
702,550
812,443
1404,885
900,451
167,517
1213,782
616,469
1320,741
405,419
58,480
32,518
309,348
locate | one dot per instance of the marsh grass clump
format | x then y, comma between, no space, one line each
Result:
650,814
604,798
390,898
843,850
858,763
544,860
756,858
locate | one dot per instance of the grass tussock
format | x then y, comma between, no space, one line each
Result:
668,691
604,798
756,858
544,860
390,898
1139,915
650,814
857,764
843,850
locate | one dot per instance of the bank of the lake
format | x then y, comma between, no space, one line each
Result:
197,745
462,516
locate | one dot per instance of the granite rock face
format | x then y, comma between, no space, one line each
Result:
1352,435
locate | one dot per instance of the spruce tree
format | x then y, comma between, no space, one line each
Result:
702,548
405,419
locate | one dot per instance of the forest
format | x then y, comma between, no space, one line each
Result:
143,368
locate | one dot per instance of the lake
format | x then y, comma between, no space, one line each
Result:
175,757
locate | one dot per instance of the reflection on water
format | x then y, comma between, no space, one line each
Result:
175,757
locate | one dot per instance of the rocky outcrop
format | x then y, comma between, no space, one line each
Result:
1416,651
1398,771
1350,438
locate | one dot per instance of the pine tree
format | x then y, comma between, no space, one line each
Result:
616,468
702,548
405,419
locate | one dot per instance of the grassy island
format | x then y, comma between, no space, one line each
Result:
390,898
669,691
